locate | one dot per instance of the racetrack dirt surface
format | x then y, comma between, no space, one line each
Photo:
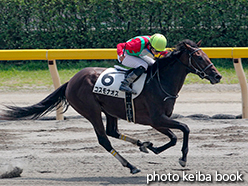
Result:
67,152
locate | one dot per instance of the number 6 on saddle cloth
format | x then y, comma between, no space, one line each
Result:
109,82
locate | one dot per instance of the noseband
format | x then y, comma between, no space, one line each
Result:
197,70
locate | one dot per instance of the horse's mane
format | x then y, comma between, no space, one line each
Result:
180,46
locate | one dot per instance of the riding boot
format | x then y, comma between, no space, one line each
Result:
131,77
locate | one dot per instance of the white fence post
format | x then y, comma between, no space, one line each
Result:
243,85
56,82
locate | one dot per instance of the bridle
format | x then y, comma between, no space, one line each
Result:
196,70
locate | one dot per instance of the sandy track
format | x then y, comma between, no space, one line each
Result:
67,152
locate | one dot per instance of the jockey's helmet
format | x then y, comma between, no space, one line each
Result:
158,42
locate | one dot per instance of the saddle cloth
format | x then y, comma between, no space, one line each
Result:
109,81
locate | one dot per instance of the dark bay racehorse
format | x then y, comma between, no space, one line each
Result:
153,106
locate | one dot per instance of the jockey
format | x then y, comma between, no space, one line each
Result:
138,53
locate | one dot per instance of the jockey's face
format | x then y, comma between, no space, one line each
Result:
154,52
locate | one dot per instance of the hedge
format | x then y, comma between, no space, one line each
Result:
36,24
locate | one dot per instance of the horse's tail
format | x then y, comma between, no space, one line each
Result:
37,110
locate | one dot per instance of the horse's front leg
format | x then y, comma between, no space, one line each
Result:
168,133
162,123
112,130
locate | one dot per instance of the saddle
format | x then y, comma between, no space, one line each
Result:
108,84
109,81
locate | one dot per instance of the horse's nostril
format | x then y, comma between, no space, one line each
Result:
218,76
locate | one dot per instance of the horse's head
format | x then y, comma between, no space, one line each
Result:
199,63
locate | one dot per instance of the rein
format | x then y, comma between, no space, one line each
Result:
168,95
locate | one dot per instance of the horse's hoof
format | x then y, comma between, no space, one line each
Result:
134,170
182,162
143,147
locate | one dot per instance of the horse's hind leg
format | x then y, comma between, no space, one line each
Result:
104,141
112,130
93,114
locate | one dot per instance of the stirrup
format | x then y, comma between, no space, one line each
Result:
126,88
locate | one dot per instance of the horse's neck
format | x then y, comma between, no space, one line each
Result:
173,77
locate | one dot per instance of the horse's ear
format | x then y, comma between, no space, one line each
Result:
199,43
188,47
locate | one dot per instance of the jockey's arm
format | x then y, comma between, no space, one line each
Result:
134,45
120,49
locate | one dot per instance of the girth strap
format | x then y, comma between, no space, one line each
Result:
129,108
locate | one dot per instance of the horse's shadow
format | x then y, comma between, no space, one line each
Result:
103,180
